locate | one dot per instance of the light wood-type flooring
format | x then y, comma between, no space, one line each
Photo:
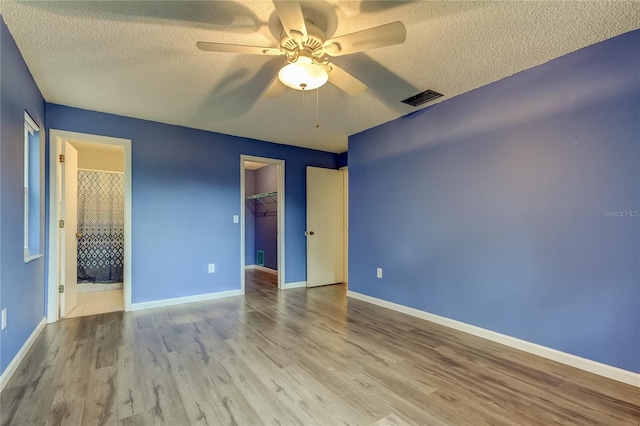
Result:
294,357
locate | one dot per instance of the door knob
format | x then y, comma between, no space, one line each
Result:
308,233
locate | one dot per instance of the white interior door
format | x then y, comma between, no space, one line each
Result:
325,226
69,242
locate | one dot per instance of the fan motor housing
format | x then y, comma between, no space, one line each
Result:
315,39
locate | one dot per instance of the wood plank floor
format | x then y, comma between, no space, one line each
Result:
295,357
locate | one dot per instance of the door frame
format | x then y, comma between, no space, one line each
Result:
56,137
345,226
281,219
70,283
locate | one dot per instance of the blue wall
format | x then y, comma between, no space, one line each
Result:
249,219
186,189
496,207
267,226
343,159
21,284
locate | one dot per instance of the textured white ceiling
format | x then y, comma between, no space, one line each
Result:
139,58
252,165
99,147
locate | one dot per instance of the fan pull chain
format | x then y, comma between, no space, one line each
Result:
317,113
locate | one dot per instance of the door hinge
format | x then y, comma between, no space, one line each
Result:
61,158
61,289
61,224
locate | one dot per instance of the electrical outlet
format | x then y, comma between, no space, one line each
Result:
212,268
236,218
4,318
379,272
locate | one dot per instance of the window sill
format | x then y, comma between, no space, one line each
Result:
32,258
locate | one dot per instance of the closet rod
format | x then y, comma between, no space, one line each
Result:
258,199
263,195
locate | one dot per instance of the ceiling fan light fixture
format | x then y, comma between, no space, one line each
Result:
306,49
303,74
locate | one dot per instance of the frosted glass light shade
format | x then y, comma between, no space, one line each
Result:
303,75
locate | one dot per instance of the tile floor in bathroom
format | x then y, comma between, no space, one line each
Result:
98,302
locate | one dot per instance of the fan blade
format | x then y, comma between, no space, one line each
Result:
384,35
275,89
238,48
345,81
290,14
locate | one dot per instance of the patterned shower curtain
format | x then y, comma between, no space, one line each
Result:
100,226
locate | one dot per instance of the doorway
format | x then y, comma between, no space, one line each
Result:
90,225
262,221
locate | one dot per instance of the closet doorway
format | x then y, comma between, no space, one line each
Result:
262,221
89,238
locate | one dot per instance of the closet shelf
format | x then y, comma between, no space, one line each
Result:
262,203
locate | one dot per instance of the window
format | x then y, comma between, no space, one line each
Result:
31,188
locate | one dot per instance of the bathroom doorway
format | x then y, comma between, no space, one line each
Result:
90,206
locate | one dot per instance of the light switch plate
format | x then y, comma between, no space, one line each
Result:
212,268
4,318
236,218
379,272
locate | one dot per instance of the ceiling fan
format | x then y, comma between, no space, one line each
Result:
307,51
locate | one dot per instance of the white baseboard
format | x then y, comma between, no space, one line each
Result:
595,367
13,366
186,299
261,268
297,284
